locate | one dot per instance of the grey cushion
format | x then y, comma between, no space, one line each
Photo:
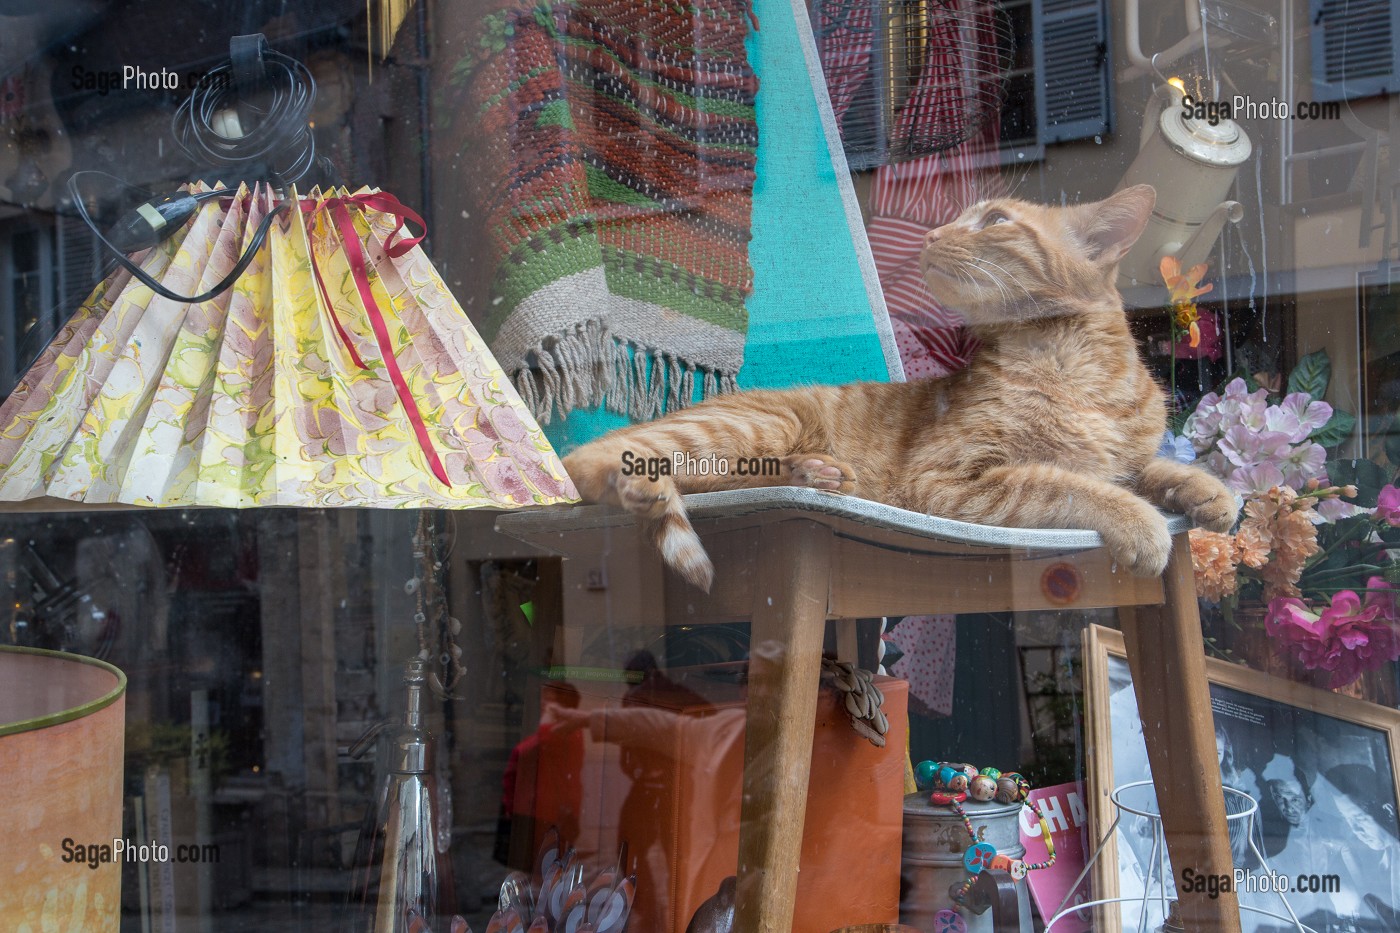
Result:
831,508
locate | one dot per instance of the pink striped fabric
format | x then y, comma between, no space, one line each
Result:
845,52
909,198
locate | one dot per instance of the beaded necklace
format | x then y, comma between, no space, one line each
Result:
950,785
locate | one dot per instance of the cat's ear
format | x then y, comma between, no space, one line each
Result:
1110,227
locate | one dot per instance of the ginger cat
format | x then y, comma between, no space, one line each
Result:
1054,424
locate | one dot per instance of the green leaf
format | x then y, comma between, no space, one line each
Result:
1331,564
1311,375
1337,429
1367,476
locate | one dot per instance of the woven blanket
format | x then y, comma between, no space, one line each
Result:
620,144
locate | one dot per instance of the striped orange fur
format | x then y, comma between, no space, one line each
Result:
1054,424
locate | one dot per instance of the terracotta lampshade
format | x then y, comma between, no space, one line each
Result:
61,743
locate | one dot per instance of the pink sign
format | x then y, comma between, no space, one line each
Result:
1063,808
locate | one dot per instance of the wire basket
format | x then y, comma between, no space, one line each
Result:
909,78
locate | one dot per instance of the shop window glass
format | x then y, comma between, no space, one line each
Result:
340,650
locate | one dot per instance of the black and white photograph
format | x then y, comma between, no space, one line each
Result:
1321,769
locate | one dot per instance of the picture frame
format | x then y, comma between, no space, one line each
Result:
1378,353
1324,769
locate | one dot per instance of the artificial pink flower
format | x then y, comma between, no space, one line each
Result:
1388,505
1302,463
1347,638
1204,425
1332,510
1254,480
1244,446
1284,422
1237,388
1249,410
1311,414
1382,595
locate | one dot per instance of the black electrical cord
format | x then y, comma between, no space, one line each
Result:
275,99
280,133
179,208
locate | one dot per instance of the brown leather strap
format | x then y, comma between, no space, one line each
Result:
997,888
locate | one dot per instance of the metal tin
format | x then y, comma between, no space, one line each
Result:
934,843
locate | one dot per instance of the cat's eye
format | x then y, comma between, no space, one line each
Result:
993,218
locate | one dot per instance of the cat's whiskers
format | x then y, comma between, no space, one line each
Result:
916,259
954,269
1019,284
1001,288
923,284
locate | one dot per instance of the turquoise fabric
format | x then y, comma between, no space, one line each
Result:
810,318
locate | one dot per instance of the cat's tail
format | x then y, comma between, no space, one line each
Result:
656,500
679,545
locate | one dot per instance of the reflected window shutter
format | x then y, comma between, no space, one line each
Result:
1073,42
1354,49
78,263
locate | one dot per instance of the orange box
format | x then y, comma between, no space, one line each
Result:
661,767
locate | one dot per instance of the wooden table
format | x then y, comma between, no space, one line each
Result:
790,558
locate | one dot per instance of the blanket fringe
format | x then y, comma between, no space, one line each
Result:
588,367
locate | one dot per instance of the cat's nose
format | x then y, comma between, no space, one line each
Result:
932,236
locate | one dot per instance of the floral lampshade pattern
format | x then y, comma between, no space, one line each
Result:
337,371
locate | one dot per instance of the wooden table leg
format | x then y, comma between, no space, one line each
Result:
789,616
1167,658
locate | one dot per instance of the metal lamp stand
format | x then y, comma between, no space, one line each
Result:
1240,808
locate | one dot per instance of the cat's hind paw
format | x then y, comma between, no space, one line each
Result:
820,471
597,474
643,496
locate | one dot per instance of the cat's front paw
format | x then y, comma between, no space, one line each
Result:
1205,500
1141,544
1179,487
1199,496
820,471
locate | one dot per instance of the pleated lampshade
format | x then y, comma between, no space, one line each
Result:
337,371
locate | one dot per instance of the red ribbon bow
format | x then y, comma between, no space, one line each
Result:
393,247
